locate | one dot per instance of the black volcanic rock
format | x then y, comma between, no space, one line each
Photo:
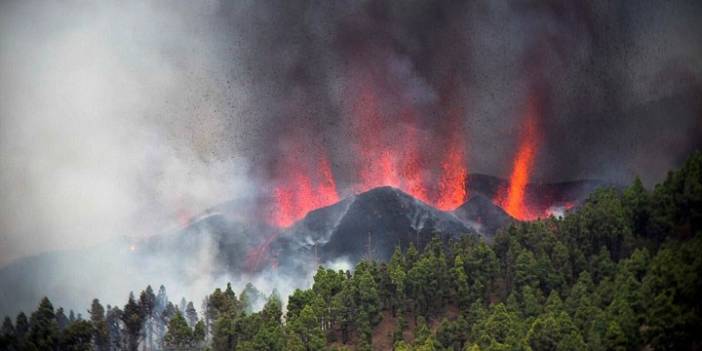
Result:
483,214
384,217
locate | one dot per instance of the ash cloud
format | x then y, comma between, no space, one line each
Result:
620,82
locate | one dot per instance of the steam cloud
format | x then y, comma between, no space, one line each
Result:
121,119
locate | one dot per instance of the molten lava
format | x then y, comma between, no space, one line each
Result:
389,150
452,184
398,158
302,191
452,180
514,200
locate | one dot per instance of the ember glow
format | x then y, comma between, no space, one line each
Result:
514,200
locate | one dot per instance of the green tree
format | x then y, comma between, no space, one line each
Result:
179,335
422,333
199,333
133,318
269,335
147,303
61,319
297,301
460,281
553,332
398,277
8,338
77,336
43,331
100,331
615,339
525,270
21,326
498,328
367,299
224,336
305,332
452,335
191,314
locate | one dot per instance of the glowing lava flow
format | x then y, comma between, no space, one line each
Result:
514,201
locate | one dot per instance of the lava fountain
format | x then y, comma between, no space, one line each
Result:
514,199
308,185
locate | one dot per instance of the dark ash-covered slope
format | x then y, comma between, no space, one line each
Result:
368,224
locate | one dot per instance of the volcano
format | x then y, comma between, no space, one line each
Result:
372,223
368,225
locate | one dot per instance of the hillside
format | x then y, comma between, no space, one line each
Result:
622,272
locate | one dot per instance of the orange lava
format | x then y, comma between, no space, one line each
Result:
452,184
397,158
452,191
303,190
514,201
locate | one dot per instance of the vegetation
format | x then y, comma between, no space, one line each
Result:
622,272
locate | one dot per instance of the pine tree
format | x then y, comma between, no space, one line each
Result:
43,331
8,337
179,335
191,314
77,337
305,332
100,328
113,316
147,304
21,326
199,333
61,319
133,318
460,281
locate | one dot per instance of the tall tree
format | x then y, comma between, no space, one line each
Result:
133,318
43,331
8,338
100,329
191,314
179,335
77,337
61,319
305,332
147,304
113,316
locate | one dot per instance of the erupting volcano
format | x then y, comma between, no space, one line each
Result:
396,157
